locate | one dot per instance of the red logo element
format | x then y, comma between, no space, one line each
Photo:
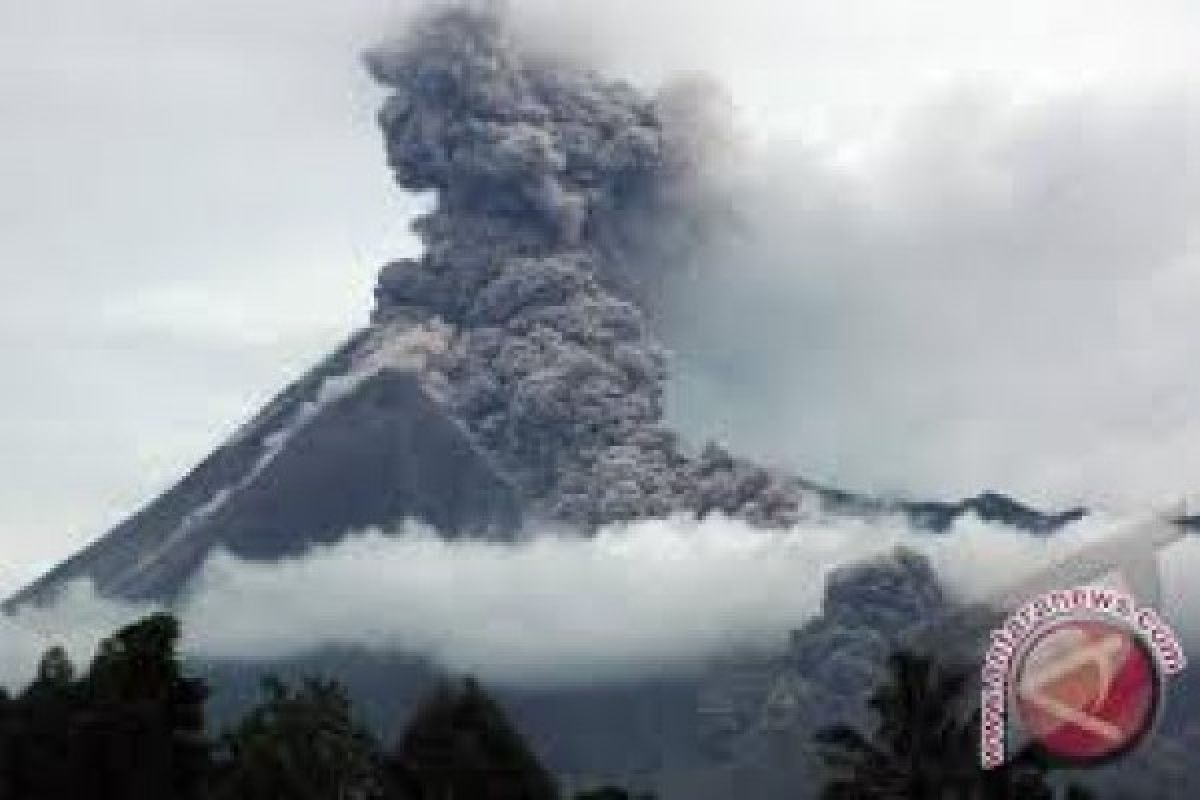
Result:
1087,690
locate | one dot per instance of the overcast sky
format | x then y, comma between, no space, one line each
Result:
194,206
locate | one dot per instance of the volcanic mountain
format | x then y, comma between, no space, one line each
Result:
511,375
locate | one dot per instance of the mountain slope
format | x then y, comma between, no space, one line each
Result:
356,443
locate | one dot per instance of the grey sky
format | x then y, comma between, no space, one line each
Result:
194,205
1004,297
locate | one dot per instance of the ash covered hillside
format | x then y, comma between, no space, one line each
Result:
511,375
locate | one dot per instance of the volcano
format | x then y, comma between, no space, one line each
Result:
510,376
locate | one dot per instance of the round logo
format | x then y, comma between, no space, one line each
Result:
1087,690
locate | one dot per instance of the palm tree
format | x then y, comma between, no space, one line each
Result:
915,748
924,745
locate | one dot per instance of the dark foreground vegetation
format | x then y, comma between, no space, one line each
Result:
924,744
133,727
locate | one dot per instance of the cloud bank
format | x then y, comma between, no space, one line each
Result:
634,600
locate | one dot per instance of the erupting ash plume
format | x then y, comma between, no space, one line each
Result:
556,189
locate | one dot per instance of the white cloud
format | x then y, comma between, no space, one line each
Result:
556,609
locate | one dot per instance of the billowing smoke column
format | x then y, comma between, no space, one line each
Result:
540,255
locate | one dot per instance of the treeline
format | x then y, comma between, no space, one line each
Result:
133,727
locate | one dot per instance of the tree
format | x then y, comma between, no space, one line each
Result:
132,728
38,756
300,744
145,726
460,744
55,669
924,745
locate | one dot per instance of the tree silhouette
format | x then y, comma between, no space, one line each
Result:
131,729
146,726
924,745
300,744
460,744
38,757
